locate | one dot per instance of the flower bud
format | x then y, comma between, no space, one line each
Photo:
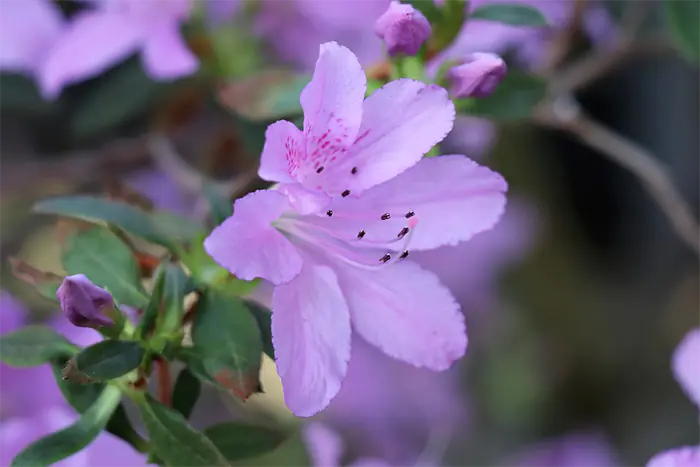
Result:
477,76
403,29
83,302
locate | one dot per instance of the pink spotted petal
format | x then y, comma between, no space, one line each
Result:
311,336
94,42
324,445
686,365
406,312
284,144
401,122
687,456
165,54
28,28
332,104
248,246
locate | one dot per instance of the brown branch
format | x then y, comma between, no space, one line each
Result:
165,390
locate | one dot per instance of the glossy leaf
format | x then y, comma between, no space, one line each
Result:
174,289
270,95
74,438
33,345
149,317
237,440
515,98
186,392
173,440
227,336
109,359
106,261
515,14
683,18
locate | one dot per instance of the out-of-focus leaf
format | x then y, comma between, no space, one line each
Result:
173,440
269,95
238,440
19,95
186,392
263,317
515,14
683,18
108,262
515,98
447,27
46,283
68,441
109,359
122,94
33,345
428,8
227,337
220,207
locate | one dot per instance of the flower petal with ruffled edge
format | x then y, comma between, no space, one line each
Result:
311,336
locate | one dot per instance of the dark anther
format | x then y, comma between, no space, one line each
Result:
404,254
361,234
403,232
410,214
385,258
319,170
329,213
386,216
345,193
354,170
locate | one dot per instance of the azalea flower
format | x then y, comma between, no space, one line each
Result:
354,195
326,448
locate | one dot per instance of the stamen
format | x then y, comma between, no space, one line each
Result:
319,170
403,232
361,234
329,213
354,170
345,193
386,216
404,254
385,258
410,214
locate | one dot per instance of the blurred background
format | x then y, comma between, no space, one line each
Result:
574,302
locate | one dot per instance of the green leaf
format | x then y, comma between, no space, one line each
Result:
33,345
683,18
159,228
121,95
453,15
106,261
226,334
20,96
74,438
428,8
174,288
186,392
148,320
237,440
82,396
263,317
515,14
46,283
270,95
515,98
173,440
109,359
220,207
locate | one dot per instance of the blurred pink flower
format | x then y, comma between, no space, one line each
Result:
688,456
356,187
326,448
573,450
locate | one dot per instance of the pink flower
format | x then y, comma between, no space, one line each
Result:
688,456
64,53
686,365
354,194
478,76
326,448
403,29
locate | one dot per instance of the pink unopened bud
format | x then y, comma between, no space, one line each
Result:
403,29
477,76
83,302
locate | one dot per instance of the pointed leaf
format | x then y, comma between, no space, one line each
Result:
515,14
186,392
174,290
238,440
263,317
109,359
74,438
683,17
108,262
33,345
173,440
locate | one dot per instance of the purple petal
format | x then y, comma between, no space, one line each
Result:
324,445
686,365
28,28
406,312
401,122
304,201
165,54
94,42
572,450
248,246
311,336
284,142
687,456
